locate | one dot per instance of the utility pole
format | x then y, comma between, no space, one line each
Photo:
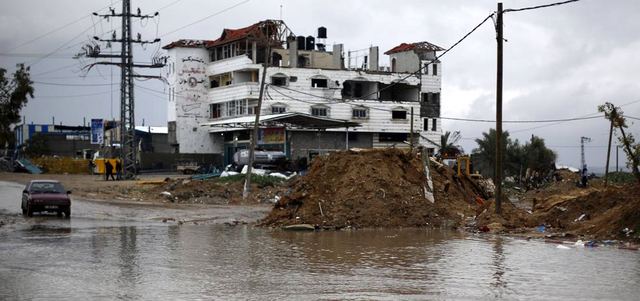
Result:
583,162
606,171
128,149
498,173
256,125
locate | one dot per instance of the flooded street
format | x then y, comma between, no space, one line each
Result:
113,252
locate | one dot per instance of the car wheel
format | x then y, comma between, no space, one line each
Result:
29,210
67,213
24,211
59,213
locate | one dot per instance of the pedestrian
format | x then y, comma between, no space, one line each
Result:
584,176
108,170
118,170
91,166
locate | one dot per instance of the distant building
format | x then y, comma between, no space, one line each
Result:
61,140
213,84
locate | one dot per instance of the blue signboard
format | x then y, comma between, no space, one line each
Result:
97,131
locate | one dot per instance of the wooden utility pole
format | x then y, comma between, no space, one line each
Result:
606,171
256,127
498,173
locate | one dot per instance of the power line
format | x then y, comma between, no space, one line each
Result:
521,121
72,96
538,6
72,85
53,30
436,58
205,18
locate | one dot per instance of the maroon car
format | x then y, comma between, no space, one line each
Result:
46,195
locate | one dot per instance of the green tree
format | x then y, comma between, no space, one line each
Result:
13,97
537,156
517,158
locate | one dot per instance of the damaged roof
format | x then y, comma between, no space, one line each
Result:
424,46
186,43
231,35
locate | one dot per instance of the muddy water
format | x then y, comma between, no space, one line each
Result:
137,258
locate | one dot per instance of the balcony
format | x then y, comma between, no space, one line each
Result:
235,63
246,90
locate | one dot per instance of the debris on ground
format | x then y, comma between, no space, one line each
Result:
374,188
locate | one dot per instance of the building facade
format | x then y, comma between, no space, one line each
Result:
220,80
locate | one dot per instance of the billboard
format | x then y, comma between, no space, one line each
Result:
271,136
97,131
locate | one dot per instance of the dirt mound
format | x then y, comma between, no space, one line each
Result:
600,212
374,188
510,218
213,191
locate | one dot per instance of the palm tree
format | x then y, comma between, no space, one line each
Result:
448,147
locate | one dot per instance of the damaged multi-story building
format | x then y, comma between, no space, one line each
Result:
214,87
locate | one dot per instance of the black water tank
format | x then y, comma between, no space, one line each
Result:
322,32
311,43
300,41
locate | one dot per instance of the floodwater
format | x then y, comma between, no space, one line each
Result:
138,258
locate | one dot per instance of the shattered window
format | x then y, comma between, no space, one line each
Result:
319,82
398,114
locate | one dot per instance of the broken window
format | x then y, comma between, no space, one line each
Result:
279,80
320,111
392,137
214,110
434,124
398,114
425,124
359,113
319,82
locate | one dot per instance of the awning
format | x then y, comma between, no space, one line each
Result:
289,120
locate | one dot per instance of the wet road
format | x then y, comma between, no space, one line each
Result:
120,254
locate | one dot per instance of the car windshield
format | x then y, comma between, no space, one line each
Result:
48,187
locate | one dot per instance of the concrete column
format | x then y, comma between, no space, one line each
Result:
373,58
254,52
337,56
293,53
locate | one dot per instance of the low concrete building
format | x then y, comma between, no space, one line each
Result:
216,80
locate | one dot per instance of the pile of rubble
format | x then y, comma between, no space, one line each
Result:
375,188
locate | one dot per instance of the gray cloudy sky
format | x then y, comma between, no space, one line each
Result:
560,62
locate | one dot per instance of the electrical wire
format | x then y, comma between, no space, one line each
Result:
54,30
206,17
71,85
522,121
72,96
538,6
436,58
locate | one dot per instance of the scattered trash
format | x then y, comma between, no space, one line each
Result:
580,218
561,247
627,231
579,243
300,227
541,228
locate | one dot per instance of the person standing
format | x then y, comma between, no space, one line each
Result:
118,170
108,170
584,176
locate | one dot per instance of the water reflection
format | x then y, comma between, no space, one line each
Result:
219,262
497,263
